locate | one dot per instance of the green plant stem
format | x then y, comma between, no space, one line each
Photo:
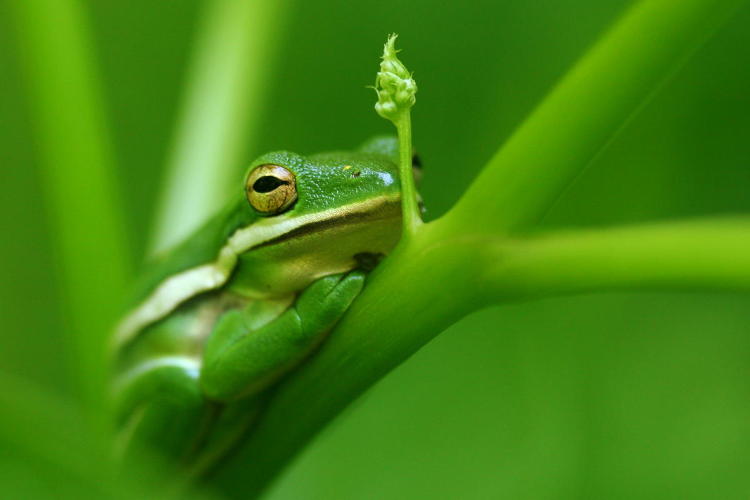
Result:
400,310
412,217
397,312
710,254
227,85
586,110
77,174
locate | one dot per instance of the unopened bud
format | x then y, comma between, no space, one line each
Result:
394,84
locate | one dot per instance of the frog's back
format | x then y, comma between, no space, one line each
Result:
181,333
202,247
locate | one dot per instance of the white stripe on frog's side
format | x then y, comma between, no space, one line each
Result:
184,285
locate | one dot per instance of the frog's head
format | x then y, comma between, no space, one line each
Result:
317,215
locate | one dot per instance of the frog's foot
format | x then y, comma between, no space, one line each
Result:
322,304
240,362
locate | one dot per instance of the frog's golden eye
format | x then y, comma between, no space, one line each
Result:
271,189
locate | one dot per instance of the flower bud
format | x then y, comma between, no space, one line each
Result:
394,84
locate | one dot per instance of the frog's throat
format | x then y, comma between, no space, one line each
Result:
179,287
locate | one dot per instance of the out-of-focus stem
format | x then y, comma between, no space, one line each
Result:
77,173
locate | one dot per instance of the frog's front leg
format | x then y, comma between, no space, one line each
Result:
239,361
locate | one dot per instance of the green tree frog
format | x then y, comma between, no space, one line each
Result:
248,296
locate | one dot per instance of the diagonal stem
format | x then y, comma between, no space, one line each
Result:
586,110
378,332
77,173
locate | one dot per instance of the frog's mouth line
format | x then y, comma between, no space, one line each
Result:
179,287
389,208
276,229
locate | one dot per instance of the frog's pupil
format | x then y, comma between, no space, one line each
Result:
267,183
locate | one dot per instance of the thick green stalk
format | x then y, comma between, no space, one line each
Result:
379,332
396,314
228,82
400,310
77,173
586,109
697,254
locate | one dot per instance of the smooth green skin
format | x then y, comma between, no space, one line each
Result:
321,185
191,397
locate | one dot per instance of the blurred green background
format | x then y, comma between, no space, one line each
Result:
613,395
